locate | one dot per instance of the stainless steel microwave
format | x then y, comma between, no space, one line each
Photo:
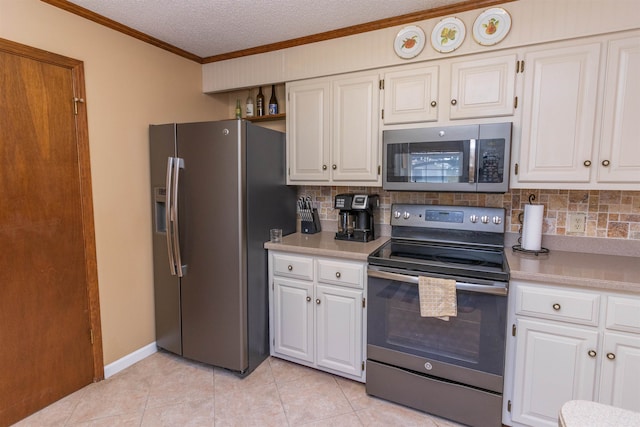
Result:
465,158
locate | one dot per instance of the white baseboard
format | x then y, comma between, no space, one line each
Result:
128,360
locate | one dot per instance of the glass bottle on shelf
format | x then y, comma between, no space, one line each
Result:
260,103
249,107
273,101
238,109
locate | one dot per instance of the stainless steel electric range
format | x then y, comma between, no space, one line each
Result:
454,368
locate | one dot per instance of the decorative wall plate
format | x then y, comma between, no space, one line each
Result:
491,26
409,42
448,35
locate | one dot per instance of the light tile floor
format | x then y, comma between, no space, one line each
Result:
165,390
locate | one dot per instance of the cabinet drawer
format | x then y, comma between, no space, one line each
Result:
343,273
300,267
623,314
569,306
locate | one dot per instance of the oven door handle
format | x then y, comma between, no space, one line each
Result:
500,289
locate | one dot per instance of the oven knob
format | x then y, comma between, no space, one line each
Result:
497,220
396,214
473,218
484,219
406,215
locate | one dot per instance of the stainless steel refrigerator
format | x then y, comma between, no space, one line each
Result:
217,190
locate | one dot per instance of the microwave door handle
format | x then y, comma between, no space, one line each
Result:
179,164
472,161
168,218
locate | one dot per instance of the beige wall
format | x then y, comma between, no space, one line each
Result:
129,84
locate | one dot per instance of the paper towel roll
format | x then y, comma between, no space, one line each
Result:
532,227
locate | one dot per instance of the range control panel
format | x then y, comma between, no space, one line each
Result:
471,218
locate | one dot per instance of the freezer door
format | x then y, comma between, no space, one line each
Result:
213,289
166,284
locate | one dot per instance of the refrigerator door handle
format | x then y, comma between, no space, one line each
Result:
178,164
168,216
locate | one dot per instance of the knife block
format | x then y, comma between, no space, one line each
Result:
310,223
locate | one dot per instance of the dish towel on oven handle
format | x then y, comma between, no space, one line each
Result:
437,297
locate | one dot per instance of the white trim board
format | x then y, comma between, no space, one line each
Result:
129,360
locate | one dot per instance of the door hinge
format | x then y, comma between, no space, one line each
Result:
382,114
364,303
509,406
363,365
516,169
515,102
513,330
519,66
522,66
91,335
75,104
289,171
381,84
379,169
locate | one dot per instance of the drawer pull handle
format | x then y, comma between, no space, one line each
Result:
587,163
605,163
338,274
454,102
324,167
308,299
556,307
318,301
290,267
434,103
592,353
611,356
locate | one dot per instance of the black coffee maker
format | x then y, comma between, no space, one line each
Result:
355,219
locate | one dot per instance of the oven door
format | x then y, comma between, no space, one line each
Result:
467,349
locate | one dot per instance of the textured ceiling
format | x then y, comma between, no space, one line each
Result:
213,27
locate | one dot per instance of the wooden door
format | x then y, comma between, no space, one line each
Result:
411,96
49,315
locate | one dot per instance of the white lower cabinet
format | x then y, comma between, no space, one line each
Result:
568,344
317,312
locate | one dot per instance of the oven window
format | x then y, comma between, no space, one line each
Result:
474,339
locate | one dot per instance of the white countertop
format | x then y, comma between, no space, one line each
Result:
583,413
604,272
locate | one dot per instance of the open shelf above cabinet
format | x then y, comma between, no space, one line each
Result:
267,117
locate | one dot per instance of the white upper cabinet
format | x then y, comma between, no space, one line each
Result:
559,110
483,88
451,90
580,126
619,159
332,131
411,95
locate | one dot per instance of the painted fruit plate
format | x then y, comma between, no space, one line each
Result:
409,42
491,26
448,35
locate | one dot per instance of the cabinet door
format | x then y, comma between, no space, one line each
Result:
620,375
619,159
355,147
308,130
339,329
411,95
293,318
560,94
552,366
483,88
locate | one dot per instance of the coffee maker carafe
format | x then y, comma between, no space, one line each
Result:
355,216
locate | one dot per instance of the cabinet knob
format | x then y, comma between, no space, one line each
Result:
592,353
334,167
318,301
308,299
587,163
556,307
611,356
605,163
290,267
434,103
338,274
454,102
324,167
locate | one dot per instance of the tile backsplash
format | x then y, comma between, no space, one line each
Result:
609,214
